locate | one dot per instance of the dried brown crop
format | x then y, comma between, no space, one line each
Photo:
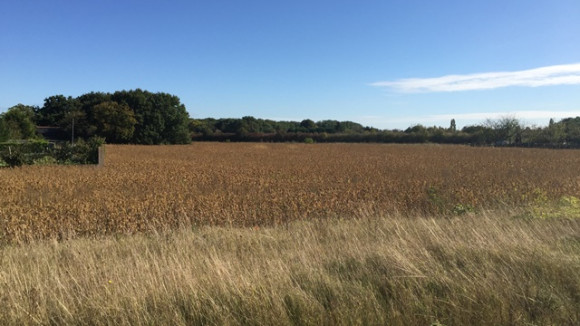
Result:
144,188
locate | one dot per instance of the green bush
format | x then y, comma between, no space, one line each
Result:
13,158
462,209
82,152
42,152
26,152
45,160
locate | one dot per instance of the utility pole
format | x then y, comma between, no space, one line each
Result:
72,134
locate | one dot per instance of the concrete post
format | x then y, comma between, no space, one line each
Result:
102,155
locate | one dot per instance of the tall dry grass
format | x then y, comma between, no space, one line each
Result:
484,269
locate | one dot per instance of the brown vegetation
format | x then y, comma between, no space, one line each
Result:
144,188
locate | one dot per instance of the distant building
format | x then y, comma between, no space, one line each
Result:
53,134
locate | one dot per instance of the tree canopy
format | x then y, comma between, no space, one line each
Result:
17,123
116,122
135,116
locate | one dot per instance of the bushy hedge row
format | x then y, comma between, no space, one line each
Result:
42,152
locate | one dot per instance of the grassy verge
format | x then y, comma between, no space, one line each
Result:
485,269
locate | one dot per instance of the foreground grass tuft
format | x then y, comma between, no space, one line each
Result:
566,207
485,269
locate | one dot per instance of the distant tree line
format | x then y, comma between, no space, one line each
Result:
506,131
142,117
250,125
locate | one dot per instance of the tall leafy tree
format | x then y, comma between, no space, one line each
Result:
161,118
4,133
55,109
506,129
308,125
555,132
88,127
452,126
572,130
17,123
116,122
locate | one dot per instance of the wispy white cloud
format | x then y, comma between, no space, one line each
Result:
544,76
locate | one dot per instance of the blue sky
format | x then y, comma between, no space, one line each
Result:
387,64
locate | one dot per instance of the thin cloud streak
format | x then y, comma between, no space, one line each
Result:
544,76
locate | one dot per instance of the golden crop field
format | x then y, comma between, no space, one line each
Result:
143,188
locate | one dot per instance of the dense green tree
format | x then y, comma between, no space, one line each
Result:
418,128
453,126
4,133
328,126
203,127
88,127
308,125
350,127
555,133
479,134
416,134
161,118
287,126
116,122
267,126
175,118
18,123
55,109
74,123
251,124
571,128
134,116
506,129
